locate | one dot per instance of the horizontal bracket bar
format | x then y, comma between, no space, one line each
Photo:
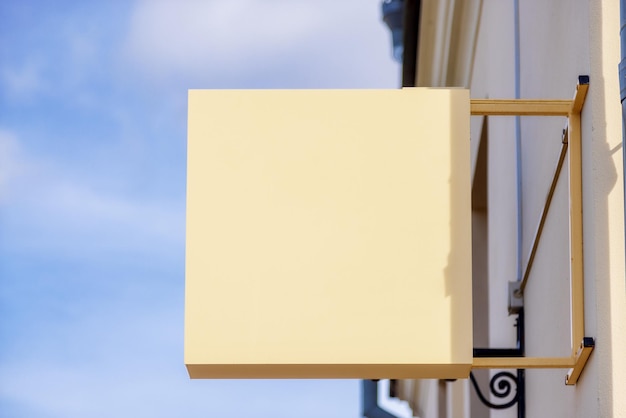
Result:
575,363
523,362
520,107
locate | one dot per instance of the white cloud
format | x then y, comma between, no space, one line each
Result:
200,39
128,361
105,338
184,36
47,210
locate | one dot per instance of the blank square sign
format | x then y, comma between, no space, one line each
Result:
328,234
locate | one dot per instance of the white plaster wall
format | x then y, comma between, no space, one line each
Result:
554,51
495,55
603,227
560,39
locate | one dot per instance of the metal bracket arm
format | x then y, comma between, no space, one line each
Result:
581,345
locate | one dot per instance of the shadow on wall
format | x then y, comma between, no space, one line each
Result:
458,272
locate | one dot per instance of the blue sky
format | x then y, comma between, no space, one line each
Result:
93,98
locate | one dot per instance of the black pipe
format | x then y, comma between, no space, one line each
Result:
411,42
622,83
622,65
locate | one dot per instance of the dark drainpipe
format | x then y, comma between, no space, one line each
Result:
622,81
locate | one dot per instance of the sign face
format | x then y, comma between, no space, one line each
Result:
328,234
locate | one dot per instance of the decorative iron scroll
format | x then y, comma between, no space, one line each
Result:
501,386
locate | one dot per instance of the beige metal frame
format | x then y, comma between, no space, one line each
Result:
581,347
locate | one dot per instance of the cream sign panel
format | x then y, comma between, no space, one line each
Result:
328,234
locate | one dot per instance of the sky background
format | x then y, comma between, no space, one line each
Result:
93,108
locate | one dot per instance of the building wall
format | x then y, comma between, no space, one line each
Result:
603,227
559,40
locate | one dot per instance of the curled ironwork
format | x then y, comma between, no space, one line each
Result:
501,386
